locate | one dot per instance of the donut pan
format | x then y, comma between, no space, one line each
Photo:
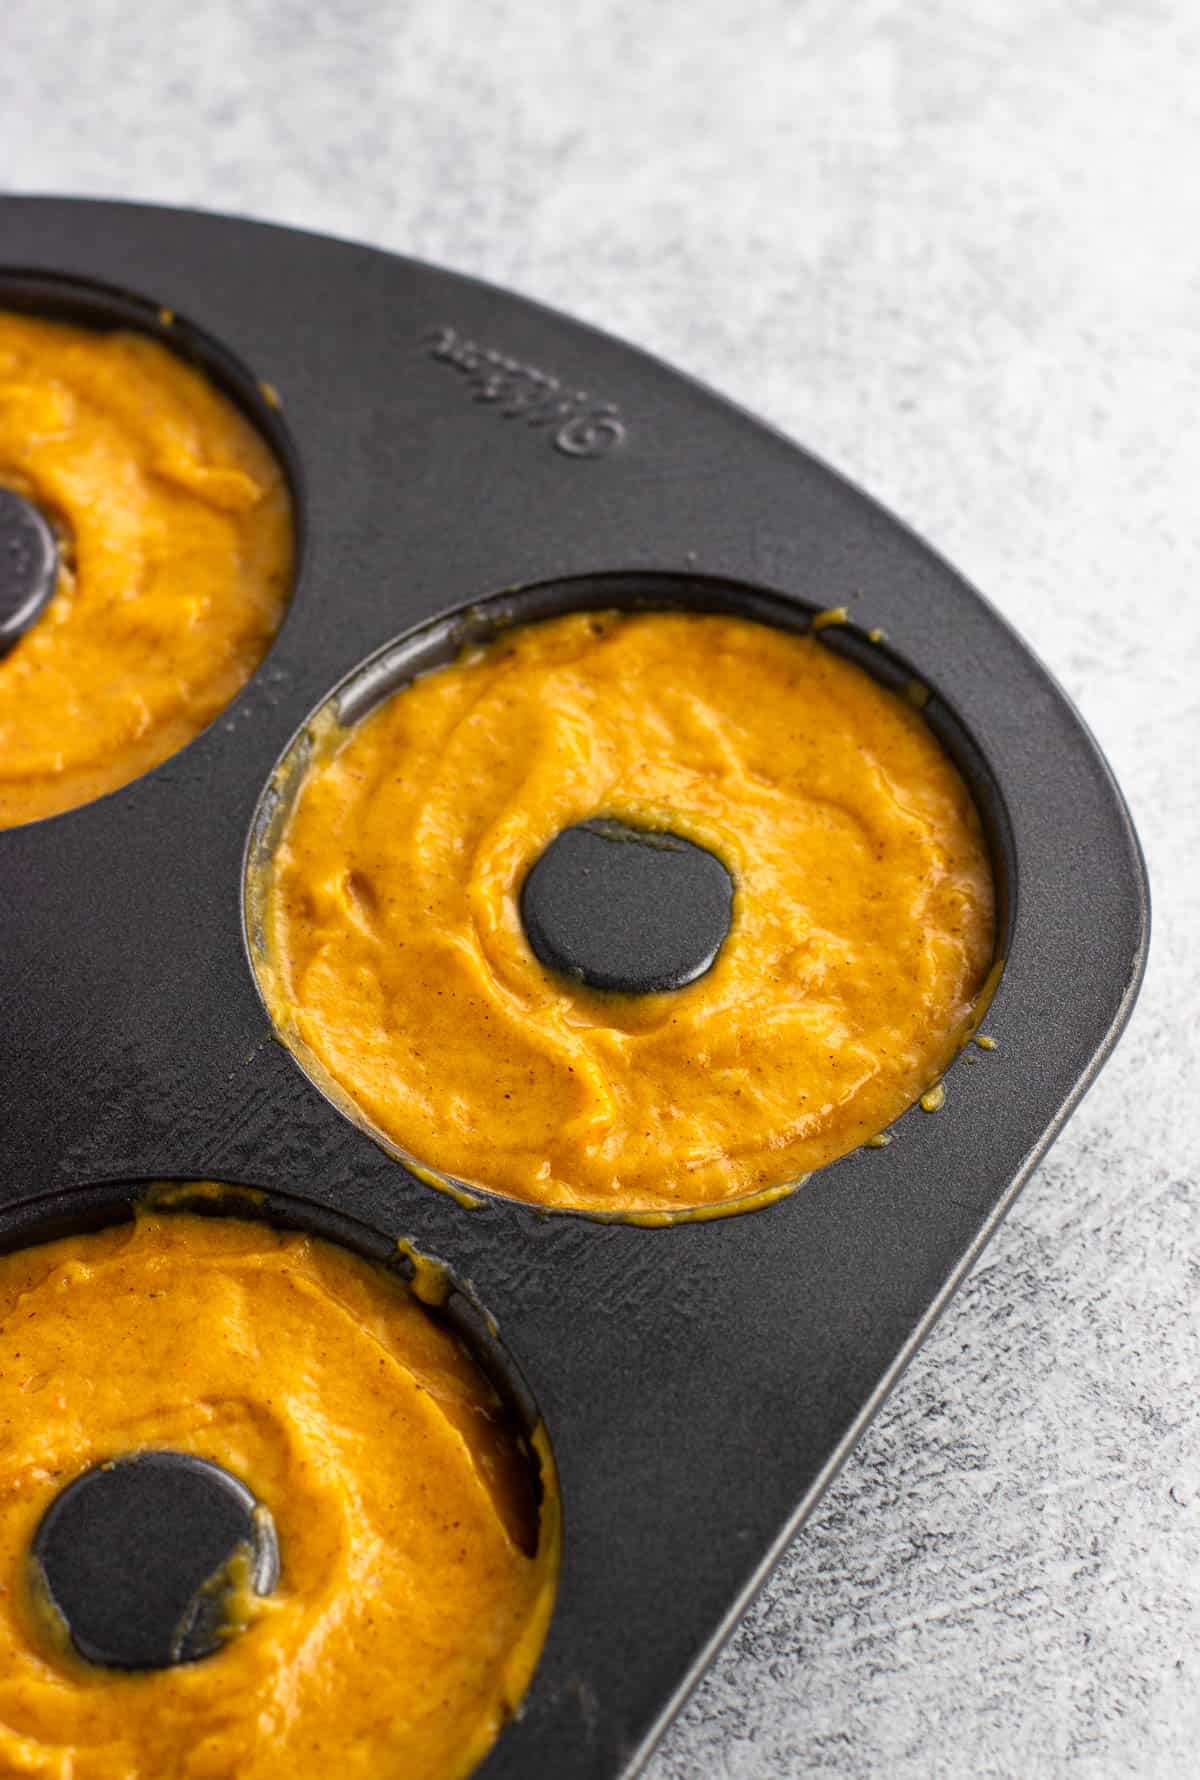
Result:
455,450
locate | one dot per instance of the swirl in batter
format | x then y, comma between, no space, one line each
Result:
414,1587
174,530
395,961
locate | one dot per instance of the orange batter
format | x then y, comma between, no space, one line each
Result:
175,547
393,956
409,1612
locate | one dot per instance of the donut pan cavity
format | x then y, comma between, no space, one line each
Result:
448,445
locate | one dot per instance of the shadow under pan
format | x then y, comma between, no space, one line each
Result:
448,443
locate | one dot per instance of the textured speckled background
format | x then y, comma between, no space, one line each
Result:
954,246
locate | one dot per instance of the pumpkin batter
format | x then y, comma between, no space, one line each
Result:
175,550
409,1611
393,955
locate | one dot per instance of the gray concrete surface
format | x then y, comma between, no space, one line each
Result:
954,246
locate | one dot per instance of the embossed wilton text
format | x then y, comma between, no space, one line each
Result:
581,426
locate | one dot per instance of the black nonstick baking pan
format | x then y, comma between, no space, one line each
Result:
457,451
